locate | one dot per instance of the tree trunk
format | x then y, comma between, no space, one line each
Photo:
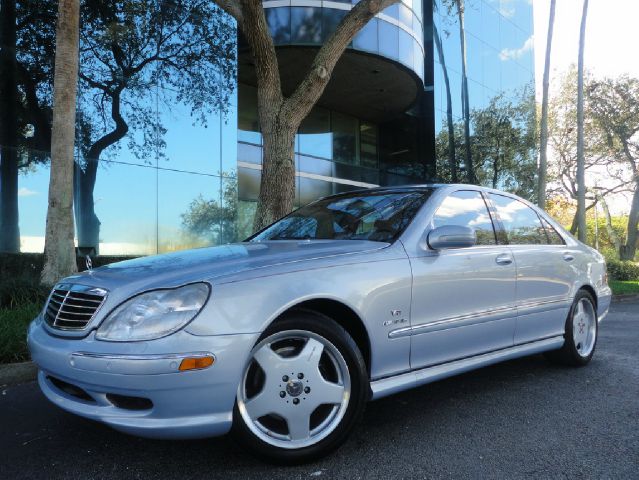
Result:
277,184
581,174
465,97
88,224
59,251
614,238
452,163
543,138
627,251
9,218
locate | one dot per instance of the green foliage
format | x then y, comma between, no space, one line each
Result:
133,49
213,220
624,288
20,277
503,144
13,332
623,270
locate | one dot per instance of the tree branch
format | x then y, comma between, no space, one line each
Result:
232,7
312,86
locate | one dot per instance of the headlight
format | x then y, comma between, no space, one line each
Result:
154,314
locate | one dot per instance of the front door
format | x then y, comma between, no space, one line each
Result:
463,299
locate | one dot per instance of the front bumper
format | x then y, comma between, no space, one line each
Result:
179,404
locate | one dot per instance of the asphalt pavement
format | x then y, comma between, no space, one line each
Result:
521,419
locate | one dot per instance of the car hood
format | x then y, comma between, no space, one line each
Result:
211,263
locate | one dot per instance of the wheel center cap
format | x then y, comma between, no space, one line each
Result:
294,388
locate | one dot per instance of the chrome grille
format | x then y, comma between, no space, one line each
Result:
71,307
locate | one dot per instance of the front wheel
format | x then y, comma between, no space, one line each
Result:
581,332
302,391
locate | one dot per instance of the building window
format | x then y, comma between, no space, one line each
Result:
389,40
279,24
368,144
315,134
345,132
306,25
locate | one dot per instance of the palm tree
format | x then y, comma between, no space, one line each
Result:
465,98
452,163
543,139
59,250
581,176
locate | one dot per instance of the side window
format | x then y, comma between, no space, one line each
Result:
521,222
553,236
467,209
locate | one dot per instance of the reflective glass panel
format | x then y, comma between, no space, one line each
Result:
368,144
377,216
279,23
466,209
406,53
314,136
366,39
388,40
522,224
306,25
345,132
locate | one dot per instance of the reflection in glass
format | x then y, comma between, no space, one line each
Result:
366,39
378,217
247,124
520,221
405,16
406,54
466,209
331,18
279,24
345,132
388,40
315,134
306,25
368,144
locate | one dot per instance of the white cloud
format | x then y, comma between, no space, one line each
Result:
25,192
515,53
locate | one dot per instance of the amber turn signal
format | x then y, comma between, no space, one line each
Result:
196,363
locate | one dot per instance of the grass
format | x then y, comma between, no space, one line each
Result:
627,287
13,332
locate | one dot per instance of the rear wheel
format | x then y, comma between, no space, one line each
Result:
580,333
302,391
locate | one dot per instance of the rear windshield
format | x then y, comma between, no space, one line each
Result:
377,216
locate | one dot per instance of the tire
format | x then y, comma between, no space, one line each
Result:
581,332
290,378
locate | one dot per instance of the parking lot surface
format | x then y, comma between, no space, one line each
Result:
521,419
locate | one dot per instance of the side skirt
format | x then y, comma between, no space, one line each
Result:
388,386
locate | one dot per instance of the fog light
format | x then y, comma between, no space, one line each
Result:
196,363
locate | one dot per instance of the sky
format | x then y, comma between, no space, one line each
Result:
611,38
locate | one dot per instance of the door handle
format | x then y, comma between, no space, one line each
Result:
504,259
569,257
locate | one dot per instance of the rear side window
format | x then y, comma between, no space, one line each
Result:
521,222
467,209
553,236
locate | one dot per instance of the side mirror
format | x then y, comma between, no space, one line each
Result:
451,236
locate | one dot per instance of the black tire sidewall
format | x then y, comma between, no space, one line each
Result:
569,346
334,333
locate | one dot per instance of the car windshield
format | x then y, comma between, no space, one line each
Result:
378,216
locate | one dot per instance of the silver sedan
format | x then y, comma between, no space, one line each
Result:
283,338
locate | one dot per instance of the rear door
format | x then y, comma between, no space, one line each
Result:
544,269
463,298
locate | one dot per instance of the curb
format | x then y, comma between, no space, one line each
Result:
15,373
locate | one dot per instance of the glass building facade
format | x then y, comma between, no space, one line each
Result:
187,170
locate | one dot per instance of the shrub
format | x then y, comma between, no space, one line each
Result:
623,270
